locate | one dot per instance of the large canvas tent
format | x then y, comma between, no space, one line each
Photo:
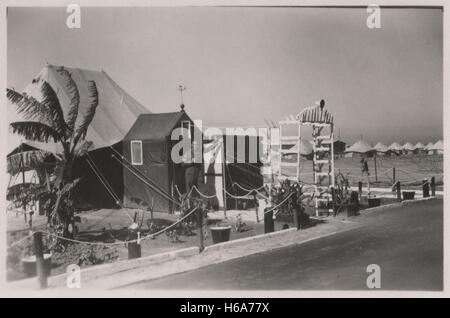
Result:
117,110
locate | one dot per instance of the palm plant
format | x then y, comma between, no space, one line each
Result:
45,121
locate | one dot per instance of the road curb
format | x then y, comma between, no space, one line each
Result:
99,271
398,204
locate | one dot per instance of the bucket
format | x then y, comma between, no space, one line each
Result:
220,234
29,265
408,195
373,202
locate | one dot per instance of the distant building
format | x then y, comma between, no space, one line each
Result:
339,147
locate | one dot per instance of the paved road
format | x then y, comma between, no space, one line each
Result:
407,243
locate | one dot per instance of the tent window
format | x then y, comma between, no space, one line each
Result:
186,124
136,152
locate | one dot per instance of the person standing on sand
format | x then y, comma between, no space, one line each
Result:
365,167
365,171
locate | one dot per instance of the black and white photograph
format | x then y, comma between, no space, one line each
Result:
191,148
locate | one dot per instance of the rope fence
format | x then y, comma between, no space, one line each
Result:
152,235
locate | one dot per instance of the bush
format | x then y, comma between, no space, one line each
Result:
82,254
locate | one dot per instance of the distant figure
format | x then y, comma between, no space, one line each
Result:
365,172
365,167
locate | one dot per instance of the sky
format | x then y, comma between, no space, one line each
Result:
244,65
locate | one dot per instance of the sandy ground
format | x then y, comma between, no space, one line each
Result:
410,170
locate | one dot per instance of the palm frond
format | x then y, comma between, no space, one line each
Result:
25,192
29,107
26,160
83,149
73,91
35,131
51,101
88,116
69,187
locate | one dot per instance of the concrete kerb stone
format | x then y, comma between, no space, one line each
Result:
249,245
113,268
98,271
398,204
249,240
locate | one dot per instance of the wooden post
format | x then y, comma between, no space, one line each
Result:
295,212
269,225
333,200
393,174
256,208
425,188
433,186
200,228
399,190
151,210
235,199
375,162
41,270
134,248
360,189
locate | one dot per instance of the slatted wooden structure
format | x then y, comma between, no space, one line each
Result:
321,122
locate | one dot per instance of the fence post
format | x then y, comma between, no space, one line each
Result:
399,190
256,208
433,186
333,200
360,189
375,162
269,225
393,174
200,226
134,248
296,218
425,188
40,262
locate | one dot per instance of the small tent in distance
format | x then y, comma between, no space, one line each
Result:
437,148
381,149
408,148
395,148
419,147
360,148
306,150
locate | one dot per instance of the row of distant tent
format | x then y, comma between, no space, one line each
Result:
362,146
